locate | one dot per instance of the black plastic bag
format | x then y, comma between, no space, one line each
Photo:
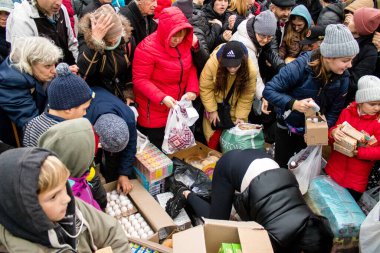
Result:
195,179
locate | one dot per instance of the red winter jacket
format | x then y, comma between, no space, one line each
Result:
353,172
160,70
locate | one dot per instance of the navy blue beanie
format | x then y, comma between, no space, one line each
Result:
67,90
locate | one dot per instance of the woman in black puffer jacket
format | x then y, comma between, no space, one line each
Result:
268,195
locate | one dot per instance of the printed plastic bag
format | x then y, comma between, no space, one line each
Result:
306,165
242,136
370,232
195,179
178,134
142,141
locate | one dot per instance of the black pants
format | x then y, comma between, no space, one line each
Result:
228,176
155,135
286,145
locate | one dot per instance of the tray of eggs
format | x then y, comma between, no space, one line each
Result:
133,223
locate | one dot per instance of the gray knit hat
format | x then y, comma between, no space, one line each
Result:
113,132
368,89
338,42
6,5
265,23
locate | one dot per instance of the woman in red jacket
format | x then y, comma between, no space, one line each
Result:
363,114
163,72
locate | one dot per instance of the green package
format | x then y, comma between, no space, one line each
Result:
236,247
226,248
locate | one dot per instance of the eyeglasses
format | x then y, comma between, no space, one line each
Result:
263,37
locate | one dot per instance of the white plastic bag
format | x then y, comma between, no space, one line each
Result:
178,135
370,232
142,141
306,165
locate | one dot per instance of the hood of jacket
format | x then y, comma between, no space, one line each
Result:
353,109
20,211
301,10
171,21
337,8
11,77
74,143
85,29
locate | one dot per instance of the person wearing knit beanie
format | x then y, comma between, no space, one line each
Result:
265,23
368,89
366,21
69,92
113,132
338,42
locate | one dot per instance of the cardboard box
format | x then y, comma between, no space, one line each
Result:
316,133
182,221
155,216
153,188
351,131
199,150
105,250
154,164
348,143
151,245
343,150
209,237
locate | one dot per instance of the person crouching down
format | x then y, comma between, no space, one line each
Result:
38,212
267,195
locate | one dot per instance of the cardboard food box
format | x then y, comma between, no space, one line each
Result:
343,150
199,151
154,215
316,130
351,131
348,143
154,164
208,238
158,248
153,188
105,250
182,221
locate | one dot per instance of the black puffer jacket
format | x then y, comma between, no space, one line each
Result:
210,15
331,14
106,68
363,64
274,201
138,22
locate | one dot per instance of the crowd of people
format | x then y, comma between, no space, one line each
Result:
79,79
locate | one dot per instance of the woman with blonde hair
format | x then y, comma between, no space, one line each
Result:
238,11
23,79
318,76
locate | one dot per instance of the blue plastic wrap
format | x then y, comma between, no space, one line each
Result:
337,205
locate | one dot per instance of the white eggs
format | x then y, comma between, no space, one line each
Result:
150,232
137,226
130,206
113,197
143,224
112,213
140,219
114,192
134,234
137,215
144,236
146,229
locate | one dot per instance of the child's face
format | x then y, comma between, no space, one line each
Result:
3,18
54,202
79,111
370,108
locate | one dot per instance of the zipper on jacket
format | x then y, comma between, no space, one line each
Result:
148,111
180,78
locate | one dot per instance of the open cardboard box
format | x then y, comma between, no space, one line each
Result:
153,213
151,245
316,133
209,237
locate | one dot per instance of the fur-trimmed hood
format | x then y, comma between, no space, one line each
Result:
85,29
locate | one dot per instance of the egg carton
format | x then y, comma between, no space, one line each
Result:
135,226
119,205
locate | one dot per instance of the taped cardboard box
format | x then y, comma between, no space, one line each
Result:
151,245
155,216
343,150
316,130
351,131
209,237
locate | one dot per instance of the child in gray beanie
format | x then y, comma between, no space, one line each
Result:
318,76
363,114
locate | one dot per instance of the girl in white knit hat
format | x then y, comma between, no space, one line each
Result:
364,115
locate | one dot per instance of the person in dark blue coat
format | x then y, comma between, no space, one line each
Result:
115,124
320,76
23,79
